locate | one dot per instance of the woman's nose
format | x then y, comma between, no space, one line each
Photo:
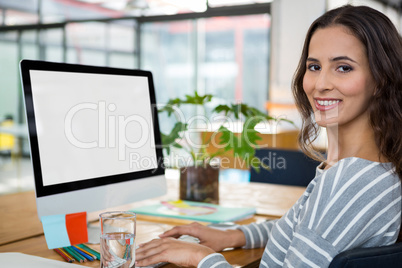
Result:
324,81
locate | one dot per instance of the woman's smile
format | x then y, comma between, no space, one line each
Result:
326,104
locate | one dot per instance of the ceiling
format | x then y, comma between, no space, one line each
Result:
19,12
61,10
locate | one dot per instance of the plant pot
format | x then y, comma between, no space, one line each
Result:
200,184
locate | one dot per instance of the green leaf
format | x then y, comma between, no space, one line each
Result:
249,133
171,106
227,138
244,145
255,112
222,108
197,99
235,110
175,101
170,139
164,138
245,110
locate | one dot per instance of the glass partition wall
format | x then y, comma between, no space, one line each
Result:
212,46
223,53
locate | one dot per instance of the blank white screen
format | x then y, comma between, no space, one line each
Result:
92,125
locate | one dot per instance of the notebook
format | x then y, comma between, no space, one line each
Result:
196,211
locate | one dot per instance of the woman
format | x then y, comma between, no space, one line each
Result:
349,80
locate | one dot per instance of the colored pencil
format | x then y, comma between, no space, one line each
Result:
75,255
68,255
79,254
94,252
82,253
126,252
62,255
87,252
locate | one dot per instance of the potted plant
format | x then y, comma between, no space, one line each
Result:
199,173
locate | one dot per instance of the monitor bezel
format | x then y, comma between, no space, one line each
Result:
46,190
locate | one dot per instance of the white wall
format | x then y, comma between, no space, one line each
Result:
290,22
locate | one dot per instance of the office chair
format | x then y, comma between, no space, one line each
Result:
378,257
288,167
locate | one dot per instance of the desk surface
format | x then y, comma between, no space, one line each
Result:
21,230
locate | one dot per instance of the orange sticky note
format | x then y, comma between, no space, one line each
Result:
76,225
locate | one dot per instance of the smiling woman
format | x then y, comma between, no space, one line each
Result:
350,78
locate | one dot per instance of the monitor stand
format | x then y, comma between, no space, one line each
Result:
93,233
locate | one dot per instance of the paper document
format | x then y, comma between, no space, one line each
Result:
20,260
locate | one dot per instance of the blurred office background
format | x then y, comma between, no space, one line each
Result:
238,50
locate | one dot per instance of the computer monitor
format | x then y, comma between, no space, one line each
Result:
94,136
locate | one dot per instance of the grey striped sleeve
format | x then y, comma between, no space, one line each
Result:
257,234
256,237
214,260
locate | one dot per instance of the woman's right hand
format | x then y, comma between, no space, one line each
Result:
215,239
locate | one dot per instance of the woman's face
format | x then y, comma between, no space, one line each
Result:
338,80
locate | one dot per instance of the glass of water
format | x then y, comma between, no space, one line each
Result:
117,239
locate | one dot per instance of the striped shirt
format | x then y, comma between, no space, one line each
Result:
354,204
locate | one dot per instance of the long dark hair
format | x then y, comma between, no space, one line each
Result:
384,52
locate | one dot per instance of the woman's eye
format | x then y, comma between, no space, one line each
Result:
344,68
314,67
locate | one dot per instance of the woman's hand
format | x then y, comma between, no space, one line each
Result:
215,239
171,250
